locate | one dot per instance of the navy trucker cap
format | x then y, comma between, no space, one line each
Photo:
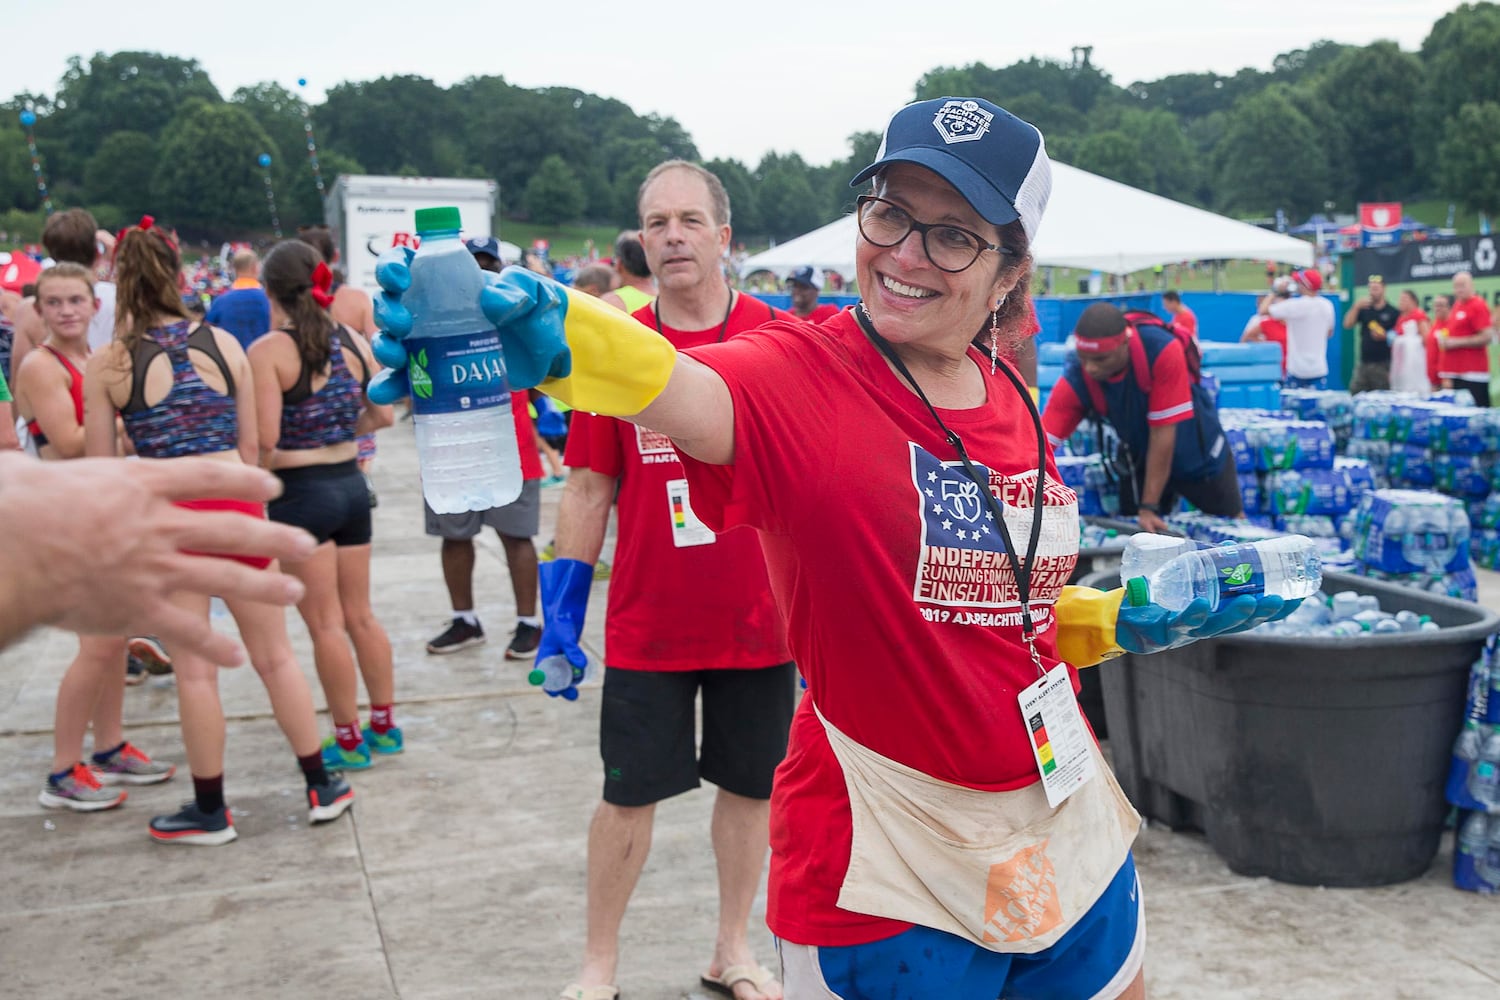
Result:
994,159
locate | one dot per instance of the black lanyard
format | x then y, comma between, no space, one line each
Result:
723,328
1024,566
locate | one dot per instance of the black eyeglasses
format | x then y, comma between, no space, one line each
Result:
950,248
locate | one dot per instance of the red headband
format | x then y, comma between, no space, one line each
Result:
1101,345
322,281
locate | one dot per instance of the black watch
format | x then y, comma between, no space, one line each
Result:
1153,508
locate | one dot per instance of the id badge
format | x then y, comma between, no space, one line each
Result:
686,528
1059,739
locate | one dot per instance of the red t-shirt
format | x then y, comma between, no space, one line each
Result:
821,312
1435,337
1274,330
1186,321
1466,319
531,460
1170,402
900,600
679,598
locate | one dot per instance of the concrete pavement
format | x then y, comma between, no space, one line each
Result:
459,873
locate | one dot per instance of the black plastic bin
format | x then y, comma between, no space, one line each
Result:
1091,562
1316,761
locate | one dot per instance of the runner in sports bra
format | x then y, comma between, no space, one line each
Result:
49,392
187,390
307,437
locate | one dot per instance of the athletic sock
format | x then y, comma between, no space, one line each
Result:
348,736
208,793
382,718
312,769
531,620
103,758
469,617
60,775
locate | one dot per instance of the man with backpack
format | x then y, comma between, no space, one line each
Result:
1140,376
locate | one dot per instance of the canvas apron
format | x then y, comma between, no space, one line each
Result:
998,868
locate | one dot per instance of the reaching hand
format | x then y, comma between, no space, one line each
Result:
550,423
526,309
1152,628
565,594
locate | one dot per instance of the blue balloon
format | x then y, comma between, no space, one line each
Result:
265,159
28,118
301,81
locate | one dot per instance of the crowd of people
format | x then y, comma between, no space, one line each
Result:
903,548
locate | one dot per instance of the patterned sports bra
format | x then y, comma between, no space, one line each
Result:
193,418
326,417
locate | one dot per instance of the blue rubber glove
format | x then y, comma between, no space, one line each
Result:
565,598
550,423
527,309
1152,628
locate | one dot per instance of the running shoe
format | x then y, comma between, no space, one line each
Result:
601,570
191,825
329,800
152,654
80,791
336,758
135,670
549,552
551,481
389,742
523,644
459,635
130,766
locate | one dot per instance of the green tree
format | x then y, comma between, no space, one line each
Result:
395,123
1469,161
208,178
119,172
1461,59
125,91
17,182
1372,93
1115,155
788,205
1271,156
744,200
1302,64
554,194
1168,156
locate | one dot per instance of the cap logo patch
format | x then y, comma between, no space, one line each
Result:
962,121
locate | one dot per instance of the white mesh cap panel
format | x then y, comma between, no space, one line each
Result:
1031,197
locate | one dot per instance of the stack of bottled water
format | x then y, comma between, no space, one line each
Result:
1093,536
1473,785
1331,406
1098,496
1348,615
1484,541
1415,538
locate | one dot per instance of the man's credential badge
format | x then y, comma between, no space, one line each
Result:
962,121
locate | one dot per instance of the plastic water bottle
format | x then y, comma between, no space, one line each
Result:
1484,777
557,677
1288,567
1491,700
1461,765
1469,851
1345,605
1409,620
466,435
1146,552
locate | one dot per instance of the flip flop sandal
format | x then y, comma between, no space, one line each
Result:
757,976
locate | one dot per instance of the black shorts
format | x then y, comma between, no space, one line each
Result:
647,731
1480,390
331,502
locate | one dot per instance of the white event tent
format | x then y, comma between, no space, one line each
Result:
1092,223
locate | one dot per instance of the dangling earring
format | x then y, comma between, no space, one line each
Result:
995,339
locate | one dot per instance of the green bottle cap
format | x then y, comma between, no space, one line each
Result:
1138,591
437,220
535,676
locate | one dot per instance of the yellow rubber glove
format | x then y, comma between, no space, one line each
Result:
619,365
1086,625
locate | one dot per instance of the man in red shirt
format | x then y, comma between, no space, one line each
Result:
689,611
804,288
1463,355
1184,320
1265,327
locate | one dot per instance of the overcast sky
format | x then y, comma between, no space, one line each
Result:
742,78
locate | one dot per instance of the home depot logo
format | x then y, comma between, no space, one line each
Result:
1020,901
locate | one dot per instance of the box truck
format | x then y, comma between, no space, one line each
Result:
369,215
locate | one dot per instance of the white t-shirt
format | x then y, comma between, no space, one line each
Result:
1308,319
102,327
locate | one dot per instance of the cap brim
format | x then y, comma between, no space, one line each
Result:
977,190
